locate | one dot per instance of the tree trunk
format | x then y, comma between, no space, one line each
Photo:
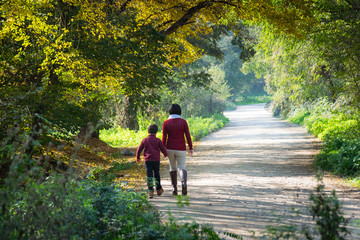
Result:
327,76
86,132
211,107
126,114
34,135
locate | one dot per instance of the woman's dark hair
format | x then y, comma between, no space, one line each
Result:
153,128
175,109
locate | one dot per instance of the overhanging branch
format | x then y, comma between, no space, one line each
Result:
186,17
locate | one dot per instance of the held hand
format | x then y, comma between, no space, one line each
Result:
191,152
138,160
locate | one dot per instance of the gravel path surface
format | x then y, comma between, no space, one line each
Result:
254,172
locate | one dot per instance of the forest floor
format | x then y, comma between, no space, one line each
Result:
253,173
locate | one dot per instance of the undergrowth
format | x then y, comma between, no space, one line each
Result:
340,132
62,208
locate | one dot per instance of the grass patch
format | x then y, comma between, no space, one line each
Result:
199,127
119,137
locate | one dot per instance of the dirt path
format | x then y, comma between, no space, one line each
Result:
253,173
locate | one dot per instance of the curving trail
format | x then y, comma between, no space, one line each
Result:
252,173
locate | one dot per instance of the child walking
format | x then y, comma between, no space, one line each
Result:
152,147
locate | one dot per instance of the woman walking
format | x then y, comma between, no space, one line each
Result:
175,128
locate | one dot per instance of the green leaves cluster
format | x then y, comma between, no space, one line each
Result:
61,60
321,64
330,221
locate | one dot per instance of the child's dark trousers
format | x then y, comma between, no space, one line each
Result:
153,172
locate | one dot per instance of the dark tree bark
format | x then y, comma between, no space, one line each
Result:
327,76
211,107
126,114
35,133
88,131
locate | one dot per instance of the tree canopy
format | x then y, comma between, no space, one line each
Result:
322,64
62,60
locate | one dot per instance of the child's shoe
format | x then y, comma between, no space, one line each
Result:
160,191
151,193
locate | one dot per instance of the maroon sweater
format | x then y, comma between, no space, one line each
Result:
174,132
152,147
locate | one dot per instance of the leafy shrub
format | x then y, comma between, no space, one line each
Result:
338,127
330,221
355,182
298,115
340,156
230,106
340,132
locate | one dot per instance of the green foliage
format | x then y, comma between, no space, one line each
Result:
62,208
199,127
298,116
119,137
200,98
340,132
241,84
60,62
316,66
280,232
340,156
355,182
232,235
330,221
156,117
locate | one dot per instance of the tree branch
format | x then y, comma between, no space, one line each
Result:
123,7
186,17
184,20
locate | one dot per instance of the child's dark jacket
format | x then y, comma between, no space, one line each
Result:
152,147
